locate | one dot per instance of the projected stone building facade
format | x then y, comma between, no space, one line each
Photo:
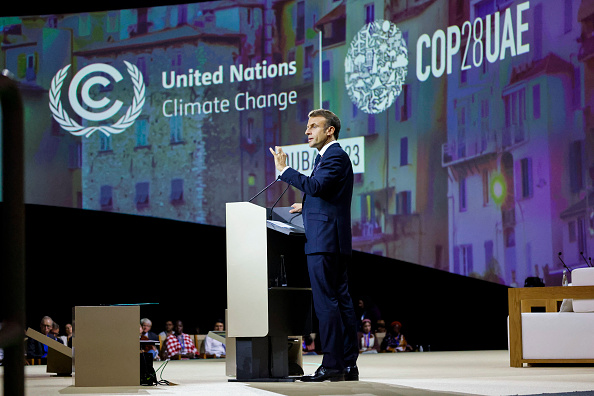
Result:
473,116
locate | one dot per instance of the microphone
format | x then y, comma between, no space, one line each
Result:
584,257
275,202
563,262
264,189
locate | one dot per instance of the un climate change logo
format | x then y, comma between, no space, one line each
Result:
62,117
375,66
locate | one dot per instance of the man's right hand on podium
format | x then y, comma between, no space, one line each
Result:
296,208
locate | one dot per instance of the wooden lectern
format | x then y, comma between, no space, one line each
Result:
268,298
106,346
59,356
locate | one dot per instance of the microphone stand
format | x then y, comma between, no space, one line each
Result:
264,189
275,202
563,262
584,257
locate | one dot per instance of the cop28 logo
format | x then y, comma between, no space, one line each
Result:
375,66
62,117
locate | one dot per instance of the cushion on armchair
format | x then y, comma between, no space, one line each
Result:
583,277
557,335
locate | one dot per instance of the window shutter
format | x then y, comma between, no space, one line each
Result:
22,65
456,260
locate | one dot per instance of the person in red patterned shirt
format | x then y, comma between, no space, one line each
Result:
179,343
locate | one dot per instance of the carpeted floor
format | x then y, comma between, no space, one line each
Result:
407,374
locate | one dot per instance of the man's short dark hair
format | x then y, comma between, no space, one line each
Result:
331,119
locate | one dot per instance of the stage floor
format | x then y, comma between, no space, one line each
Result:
415,374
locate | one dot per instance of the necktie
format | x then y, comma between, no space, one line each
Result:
316,163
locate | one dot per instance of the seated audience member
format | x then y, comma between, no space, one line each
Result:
394,340
380,326
168,329
147,334
69,333
56,333
309,345
146,329
367,309
179,345
367,341
214,347
36,349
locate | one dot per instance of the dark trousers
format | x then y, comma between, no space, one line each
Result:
334,309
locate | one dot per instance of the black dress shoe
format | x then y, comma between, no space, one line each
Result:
324,374
351,373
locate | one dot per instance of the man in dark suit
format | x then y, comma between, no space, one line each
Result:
326,211
147,325
37,350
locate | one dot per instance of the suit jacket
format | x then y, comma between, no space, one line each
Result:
151,336
36,349
327,202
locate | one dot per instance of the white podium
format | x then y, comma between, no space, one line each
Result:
262,313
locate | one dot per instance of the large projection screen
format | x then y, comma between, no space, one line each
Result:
469,123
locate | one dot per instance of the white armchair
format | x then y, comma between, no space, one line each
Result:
553,337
